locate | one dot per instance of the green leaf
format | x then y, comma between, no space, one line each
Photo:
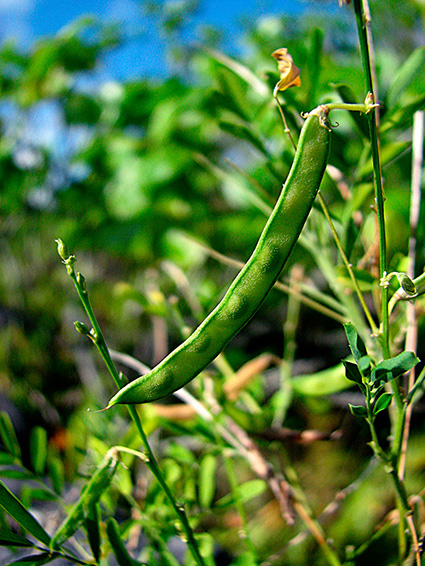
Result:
7,459
357,346
118,548
244,492
382,403
56,472
30,493
8,435
207,470
402,117
15,509
241,71
365,280
321,383
16,474
389,153
38,449
243,131
358,410
314,65
14,539
408,77
92,525
352,372
35,560
364,365
394,367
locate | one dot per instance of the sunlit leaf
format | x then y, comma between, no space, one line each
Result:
394,367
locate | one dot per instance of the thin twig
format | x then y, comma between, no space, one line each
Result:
412,328
347,265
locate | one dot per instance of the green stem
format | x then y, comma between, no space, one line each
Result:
379,199
97,337
348,265
364,108
379,190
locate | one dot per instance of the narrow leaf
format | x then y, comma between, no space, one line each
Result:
14,539
38,449
244,492
56,473
242,71
382,403
34,560
207,479
15,509
418,384
8,435
407,75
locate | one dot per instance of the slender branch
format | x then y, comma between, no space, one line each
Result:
365,39
363,34
348,266
96,335
412,328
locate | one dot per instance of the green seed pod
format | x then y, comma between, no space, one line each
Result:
255,280
91,493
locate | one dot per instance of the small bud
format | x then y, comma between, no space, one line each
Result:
406,283
82,328
93,334
62,249
81,280
370,102
344,2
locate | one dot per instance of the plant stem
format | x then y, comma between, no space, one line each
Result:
362,19
347,265
377,174
98,339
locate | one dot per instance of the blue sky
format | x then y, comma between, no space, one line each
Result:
28,20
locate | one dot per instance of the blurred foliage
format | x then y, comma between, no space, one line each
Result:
133,176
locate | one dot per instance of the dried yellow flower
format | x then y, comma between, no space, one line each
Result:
289,73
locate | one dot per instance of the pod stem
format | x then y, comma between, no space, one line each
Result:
96,335
348,265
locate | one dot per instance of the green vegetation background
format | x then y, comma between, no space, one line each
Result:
129,174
